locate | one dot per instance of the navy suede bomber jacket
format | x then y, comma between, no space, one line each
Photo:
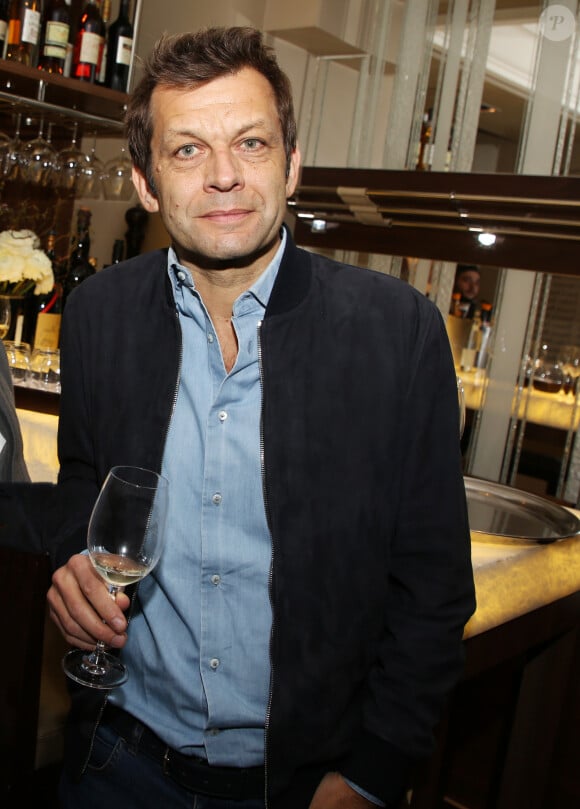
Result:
371,574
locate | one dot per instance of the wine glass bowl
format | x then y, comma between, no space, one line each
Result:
124,540
548,374
90,176
5,146
117,178
69,164
11,162
38,159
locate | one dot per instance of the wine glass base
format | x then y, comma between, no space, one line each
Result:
109,672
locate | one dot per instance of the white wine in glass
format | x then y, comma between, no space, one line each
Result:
125,538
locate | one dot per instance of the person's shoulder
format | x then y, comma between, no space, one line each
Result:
127,273
366,281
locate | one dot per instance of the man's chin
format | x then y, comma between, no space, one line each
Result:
228,253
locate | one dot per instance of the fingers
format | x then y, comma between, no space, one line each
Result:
82,608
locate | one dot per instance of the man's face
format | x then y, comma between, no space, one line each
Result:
219,168
468,284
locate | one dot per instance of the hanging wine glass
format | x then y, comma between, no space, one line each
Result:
11,165
69,164
117,177
38,158
92,169
5,142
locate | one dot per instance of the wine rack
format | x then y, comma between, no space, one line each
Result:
62,101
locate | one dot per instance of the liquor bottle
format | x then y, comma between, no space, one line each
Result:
49,309
106,17
456,304
469,353
425,145
3,24
24,21
88,50
79,266
485,339
118,251
119,50
55,36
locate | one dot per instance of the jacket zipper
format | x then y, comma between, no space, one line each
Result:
267,512
134,596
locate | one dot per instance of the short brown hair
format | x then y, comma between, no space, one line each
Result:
190,59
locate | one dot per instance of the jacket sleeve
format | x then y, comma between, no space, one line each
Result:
430,589
77,487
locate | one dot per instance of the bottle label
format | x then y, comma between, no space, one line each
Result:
3,30
124,51
30,26
90,48
47,330
56,39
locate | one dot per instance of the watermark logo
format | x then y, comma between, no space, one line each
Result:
557,23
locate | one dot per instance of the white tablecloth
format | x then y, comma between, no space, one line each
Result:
39,438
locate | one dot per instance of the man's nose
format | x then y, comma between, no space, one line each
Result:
223,171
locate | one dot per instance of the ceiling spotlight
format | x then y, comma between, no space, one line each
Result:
486,239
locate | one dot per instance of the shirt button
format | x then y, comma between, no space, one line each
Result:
222,416
210,338
214,663
216,499
213,732
216,579
181,275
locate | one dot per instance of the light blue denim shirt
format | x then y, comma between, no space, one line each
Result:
204,614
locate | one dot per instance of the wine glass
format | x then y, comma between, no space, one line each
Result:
125,538
5,144
69,163
11,164
38,158
117,177
5,316
92,168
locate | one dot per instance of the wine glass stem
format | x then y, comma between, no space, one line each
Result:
94,662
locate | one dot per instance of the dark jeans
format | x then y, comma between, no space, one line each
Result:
120,776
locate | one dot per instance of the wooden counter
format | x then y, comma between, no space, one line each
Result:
509,737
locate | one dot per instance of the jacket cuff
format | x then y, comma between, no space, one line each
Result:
379,768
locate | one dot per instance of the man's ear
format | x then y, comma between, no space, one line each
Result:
293,172
147,198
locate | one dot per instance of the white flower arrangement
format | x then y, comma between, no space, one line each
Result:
24,267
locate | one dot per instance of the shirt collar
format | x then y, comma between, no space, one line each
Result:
261,289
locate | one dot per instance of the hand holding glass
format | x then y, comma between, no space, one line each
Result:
125,538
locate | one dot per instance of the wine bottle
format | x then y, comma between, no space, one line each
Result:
88,50
79,266
24,21
55,36
106,16
49,308
3,24
119,50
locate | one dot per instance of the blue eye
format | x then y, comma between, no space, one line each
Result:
187,151
253,143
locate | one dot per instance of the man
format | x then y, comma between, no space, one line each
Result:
467,283
295,644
